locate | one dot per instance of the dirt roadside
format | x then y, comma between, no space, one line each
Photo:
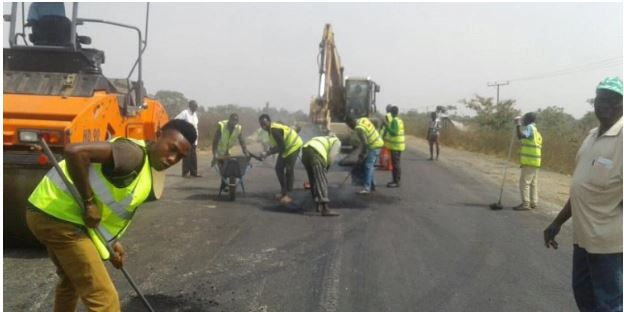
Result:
553,187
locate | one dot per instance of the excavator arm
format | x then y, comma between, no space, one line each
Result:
329,104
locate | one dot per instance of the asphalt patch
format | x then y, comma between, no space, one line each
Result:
179,303
283,209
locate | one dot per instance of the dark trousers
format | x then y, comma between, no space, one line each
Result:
597,280
317,174
434,139
285,170
189,163
396,166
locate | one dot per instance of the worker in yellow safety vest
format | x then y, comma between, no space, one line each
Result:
394,141
385,123
228,132
317,155
370,144
113,178
285,141
530,159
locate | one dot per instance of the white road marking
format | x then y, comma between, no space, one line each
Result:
331,278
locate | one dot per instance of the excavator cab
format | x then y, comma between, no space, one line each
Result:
360,97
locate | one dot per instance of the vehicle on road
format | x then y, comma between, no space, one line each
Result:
339,96
55,88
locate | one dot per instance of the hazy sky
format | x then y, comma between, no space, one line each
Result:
421,54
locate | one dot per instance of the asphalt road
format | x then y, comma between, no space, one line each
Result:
431,245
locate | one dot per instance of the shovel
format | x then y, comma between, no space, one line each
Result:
345,180
256,157
74,192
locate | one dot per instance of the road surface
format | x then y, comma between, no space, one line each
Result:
431,245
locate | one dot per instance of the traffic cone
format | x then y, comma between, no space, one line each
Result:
384,159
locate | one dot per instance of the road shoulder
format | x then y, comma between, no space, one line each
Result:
553,187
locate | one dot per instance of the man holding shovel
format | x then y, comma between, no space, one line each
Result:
317,156
112,178
285,141
370,143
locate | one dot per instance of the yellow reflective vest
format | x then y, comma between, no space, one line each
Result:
395,142
322,145
372,135
384,129
292,141
227,139
531,149
117,205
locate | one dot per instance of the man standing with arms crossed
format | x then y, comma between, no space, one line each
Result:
285,141
530,159
113,178
595,205
189,163
394,141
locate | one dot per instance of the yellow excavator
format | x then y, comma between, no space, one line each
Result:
54,88
339,96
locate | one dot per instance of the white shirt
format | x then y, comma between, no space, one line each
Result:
596,192
191,117
434,126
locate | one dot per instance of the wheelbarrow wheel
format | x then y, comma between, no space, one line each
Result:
232,188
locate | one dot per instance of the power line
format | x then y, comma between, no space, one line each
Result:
606,63
498,84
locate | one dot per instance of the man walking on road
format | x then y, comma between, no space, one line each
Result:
595,205
371,143
433,134
530,160
228,132
285,141
189,163
317,156
113,178
394,141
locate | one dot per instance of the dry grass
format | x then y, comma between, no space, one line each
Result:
558,152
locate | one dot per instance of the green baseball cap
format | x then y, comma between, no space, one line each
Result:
611,83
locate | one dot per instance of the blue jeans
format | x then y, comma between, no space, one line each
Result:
369,168
597,280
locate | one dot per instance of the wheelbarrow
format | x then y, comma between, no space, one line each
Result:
232,170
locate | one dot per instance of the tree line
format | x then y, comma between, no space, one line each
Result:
488,131
209,115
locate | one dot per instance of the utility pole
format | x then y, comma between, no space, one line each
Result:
497,84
